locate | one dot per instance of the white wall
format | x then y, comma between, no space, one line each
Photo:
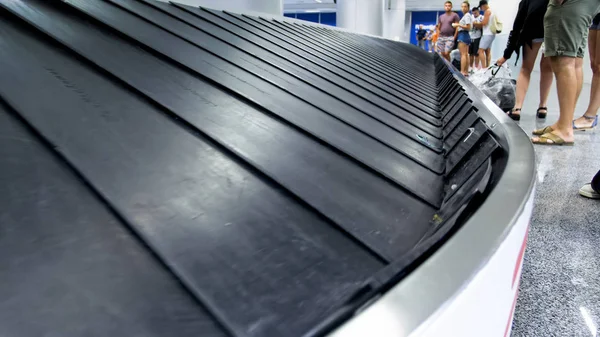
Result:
263,6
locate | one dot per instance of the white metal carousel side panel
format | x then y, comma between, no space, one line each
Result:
486,305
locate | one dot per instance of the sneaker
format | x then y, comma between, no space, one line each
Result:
588,192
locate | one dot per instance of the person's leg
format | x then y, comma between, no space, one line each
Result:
444,48
564,68
579,72
484,44
476,61
488,57
464,58
596,182
592,110
529,57
471,53
482,58
566,27
546,78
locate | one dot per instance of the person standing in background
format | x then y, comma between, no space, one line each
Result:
590,119
434,40
488,37
421,34
446,32
428,39
566,26
475,34
464,38
528,33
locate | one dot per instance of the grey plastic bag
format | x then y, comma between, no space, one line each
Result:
497,84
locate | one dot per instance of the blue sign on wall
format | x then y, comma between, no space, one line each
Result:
326,18
329,19
427,19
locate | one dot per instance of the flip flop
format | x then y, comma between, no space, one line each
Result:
541,114
594,124
543,131
555,139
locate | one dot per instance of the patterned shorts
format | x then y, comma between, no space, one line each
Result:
445,44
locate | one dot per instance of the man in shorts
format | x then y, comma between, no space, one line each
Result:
447,33
589,120
566,27
488,37
475,39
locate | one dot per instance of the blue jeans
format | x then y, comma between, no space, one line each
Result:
464,37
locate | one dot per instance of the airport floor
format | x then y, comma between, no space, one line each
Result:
560,286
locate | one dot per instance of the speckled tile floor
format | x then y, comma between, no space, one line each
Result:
560,286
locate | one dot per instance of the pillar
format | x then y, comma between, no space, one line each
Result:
361,16
394,19
274,7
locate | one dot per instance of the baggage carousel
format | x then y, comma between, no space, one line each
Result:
169,170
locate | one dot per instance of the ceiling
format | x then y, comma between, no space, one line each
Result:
296,2
309,5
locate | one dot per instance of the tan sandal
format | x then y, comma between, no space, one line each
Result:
540,132
551,139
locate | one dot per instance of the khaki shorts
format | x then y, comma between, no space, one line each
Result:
567,25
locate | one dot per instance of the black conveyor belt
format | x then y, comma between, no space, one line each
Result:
178,171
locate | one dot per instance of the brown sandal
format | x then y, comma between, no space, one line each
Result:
543,131
554,139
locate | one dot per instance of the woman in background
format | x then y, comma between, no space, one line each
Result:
528,33
464,38
434,39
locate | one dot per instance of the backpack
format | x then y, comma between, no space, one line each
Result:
496,25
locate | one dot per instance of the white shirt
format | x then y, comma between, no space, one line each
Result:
467,19
476,32
486,29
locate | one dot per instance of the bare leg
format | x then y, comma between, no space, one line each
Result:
446,56
579,71
464,58
483,58
545,81
566,82
478,61
592,110
488,54
529,57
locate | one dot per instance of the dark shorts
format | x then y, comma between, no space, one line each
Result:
567,26
474,47
464,37
596,22
596,182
